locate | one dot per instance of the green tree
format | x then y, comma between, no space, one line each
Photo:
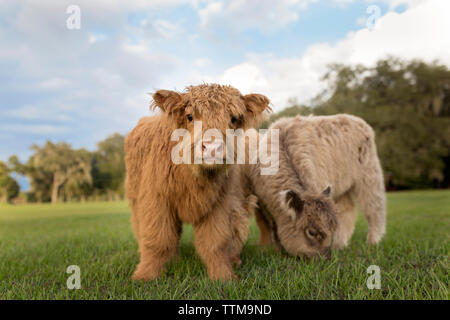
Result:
52,166
109,166
79,185
9,188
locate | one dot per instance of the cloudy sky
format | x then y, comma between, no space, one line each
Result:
79,85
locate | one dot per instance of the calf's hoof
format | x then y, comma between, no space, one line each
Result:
140,275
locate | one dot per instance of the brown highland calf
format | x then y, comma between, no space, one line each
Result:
317,152
163,195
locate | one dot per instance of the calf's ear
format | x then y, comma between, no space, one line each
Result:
292,202
256,103
327,191
167,100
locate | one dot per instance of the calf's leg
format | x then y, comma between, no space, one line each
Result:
241,226
159,234
346,218
213,238
265,237
371,198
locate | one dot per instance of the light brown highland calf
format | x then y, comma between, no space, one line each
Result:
163,195
296,207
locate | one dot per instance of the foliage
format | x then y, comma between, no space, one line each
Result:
57,172
9,188
109,166
55,167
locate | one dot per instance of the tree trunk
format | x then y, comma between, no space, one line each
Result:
4,198
55,189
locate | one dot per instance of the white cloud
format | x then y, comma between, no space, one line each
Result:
35,128
40,113
54,84
212,9
158,28
423,31
238,15
102,65
201,62
245,76
361,21
391,3
410,3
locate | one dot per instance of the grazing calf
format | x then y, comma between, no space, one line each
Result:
297,206
163,195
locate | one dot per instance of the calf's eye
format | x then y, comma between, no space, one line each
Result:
233,119
189,116
311,233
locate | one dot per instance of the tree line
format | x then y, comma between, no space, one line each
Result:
406,102
57,172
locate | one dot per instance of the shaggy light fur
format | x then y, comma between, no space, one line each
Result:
316,152
164,195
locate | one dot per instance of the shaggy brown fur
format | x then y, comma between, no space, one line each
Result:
163,195
316,152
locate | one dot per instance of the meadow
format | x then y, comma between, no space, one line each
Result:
38,242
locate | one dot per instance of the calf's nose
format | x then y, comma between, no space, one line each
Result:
212,146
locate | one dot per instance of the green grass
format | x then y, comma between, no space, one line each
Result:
38,242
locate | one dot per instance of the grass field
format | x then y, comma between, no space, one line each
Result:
38,243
